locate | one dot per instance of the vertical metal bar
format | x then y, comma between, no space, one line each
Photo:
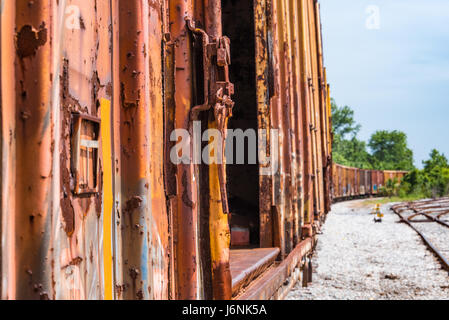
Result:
306,102
33,141
277,209
169,126
263,114
290,132
330,178
278,108
136,210
8,276
213,24
295,39
285,121
218,220
186,211
316,108
325,160
116,147
1,155
159,240
310,110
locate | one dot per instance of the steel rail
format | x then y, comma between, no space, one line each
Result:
441,222
443,260
427,215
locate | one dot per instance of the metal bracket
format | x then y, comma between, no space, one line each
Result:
218,91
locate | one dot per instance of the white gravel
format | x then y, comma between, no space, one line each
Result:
359,259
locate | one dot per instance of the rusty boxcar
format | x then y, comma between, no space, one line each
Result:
92,94
353,182
92,206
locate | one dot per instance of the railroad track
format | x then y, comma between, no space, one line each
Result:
430,219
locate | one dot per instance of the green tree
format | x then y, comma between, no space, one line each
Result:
432,181
347,149
343,122
352,153
436,160
390,151
437,171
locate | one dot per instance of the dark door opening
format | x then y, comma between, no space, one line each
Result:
243,179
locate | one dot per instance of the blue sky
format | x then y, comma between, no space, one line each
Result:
394,77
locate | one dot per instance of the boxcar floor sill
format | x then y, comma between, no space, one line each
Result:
248,264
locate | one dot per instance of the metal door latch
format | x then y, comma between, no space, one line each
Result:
218,91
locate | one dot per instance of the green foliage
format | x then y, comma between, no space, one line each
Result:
343,122
432,181
391,188
436,160
347,151
390,151
351,153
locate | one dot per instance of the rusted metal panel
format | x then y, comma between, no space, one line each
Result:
8,55
313,107
263,40
393,174
160,238
1,154
64,226
297,117
285,96
305,107
218,206
186,209
292,209
325,161
356,181
33,140
381,178
82,86
278,209
170,169
142,213
315,115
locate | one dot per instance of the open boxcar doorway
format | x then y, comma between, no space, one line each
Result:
247,257
242,179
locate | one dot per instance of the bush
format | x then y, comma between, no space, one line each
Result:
391,188
431,182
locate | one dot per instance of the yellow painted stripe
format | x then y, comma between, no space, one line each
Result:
107,194
220,236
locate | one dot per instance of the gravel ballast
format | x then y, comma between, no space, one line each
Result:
358,259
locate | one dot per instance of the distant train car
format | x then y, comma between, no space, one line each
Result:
365,182
377,181
357,179
391,175
351,182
